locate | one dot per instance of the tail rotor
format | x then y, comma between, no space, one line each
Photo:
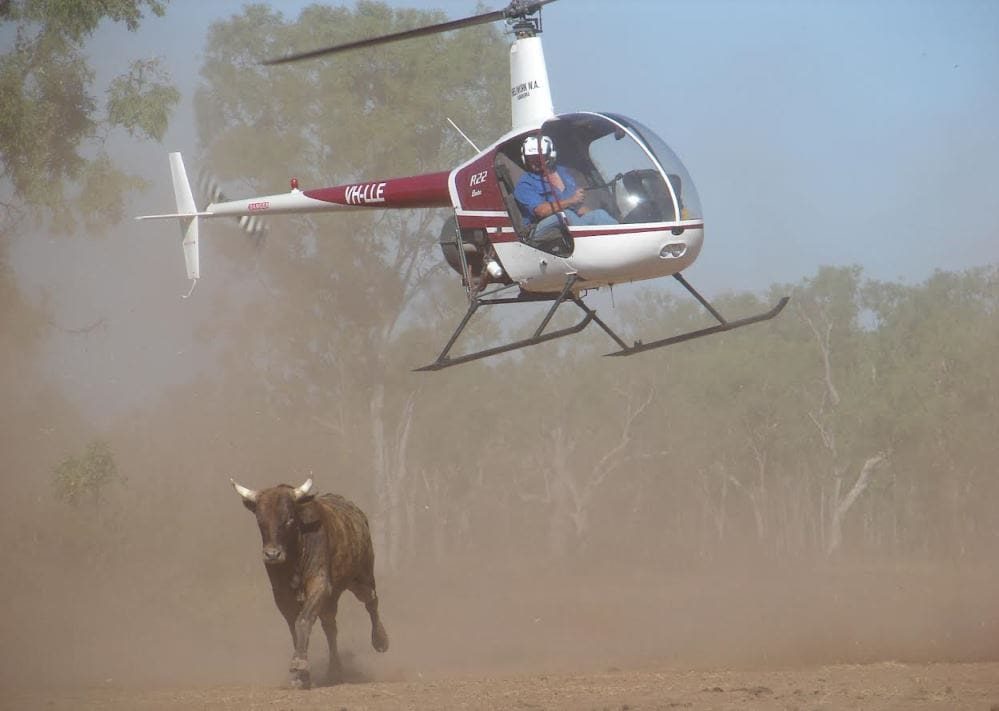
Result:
188,215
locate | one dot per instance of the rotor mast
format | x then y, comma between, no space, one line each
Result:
530,92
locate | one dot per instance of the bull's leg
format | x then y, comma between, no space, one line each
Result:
328,619
299,670
289,608
365,592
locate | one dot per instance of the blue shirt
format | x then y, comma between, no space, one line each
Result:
534,188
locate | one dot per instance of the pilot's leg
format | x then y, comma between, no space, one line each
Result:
552,221
596,217
546,224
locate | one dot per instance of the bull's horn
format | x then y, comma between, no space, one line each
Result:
247,494
304,489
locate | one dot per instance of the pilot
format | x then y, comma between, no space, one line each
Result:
547,189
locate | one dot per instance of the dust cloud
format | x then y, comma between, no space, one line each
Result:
176,595
160,583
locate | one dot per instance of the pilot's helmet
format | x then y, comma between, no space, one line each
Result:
537,151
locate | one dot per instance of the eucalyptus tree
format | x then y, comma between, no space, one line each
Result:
53,131
54,166
836,400
935,364
334,297
56,173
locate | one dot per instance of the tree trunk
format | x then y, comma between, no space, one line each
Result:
842,506
391,474
562,489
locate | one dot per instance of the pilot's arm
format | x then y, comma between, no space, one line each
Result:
544,209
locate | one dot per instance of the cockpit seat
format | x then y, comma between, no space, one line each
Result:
507,184
553,241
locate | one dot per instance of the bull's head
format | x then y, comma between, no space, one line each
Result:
278,512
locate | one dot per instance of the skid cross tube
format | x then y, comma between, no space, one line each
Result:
446,361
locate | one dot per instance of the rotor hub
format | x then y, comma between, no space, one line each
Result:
524,16
526,27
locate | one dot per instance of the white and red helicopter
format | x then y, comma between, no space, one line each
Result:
653,225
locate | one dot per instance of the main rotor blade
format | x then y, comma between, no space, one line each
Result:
394,37
517,8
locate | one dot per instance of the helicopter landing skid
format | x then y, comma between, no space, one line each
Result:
722,326
539,336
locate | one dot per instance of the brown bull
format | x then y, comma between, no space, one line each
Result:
315,547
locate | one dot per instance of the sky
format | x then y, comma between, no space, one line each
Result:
830,132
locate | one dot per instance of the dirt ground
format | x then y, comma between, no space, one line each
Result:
871,687
187,621
749,638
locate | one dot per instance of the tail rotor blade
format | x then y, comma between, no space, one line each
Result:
211,193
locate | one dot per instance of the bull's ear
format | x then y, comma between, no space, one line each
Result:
308,513
250,505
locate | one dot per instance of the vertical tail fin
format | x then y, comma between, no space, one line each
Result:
187,212
188,215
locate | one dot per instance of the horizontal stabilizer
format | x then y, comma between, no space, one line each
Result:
174,215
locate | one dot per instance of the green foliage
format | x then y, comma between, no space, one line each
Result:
87,476
51,127
46,114
141,100
755,438
102,187
75,20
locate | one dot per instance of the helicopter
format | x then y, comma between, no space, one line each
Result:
645,219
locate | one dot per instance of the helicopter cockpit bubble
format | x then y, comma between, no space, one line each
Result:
624,168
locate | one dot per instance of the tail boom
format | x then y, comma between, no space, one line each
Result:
418,191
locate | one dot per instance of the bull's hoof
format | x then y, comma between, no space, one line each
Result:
379,639
299,677
334,672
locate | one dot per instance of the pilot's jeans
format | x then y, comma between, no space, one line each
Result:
593,217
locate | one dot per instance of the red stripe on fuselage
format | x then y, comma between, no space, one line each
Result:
484,221
429,190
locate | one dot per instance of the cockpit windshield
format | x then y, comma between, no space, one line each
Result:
624,168
670,164
603,168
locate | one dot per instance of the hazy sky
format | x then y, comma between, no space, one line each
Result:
817,132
